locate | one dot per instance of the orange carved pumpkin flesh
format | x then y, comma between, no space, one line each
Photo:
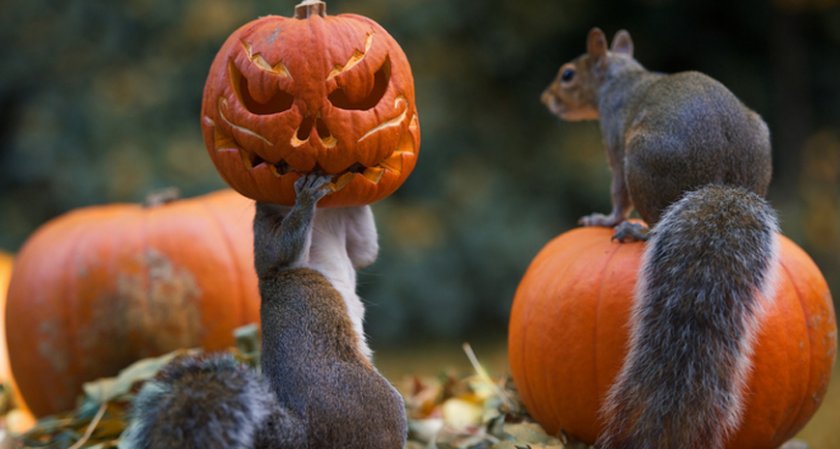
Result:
332,94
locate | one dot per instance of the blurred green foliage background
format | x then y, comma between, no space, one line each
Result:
99,102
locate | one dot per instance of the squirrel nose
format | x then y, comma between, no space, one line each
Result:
546,97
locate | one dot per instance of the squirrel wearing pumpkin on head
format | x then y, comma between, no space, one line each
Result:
695,163
318,387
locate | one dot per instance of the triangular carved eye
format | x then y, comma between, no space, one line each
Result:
339,97
279,102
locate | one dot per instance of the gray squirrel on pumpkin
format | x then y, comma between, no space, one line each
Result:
695,163
318,387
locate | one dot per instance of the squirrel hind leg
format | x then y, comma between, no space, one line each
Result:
281,430
210,402
628,231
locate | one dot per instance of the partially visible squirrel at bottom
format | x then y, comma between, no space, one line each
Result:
695,163
318,387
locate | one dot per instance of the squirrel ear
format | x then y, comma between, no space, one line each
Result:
596,43
622,43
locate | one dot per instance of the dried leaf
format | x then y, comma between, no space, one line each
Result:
424,430
529,432
461,413
248,344
423,398
104,390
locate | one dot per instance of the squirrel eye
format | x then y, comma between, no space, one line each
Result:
567,75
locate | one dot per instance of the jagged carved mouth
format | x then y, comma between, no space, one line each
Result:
340,180
374,173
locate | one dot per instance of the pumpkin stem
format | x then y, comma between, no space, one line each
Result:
162,196
306,8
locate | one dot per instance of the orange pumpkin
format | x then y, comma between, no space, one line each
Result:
19,420
100,287
569,329
289,96
6,263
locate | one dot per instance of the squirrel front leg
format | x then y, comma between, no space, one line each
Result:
620,196
625,231
282,240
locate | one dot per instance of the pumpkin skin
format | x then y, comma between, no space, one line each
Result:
569,328
289,96
6,264
101,287
20,419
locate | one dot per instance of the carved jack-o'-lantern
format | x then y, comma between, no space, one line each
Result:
313,93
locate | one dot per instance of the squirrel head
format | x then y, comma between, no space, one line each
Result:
573,95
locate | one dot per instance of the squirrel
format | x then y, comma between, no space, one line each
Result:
695,163
318,388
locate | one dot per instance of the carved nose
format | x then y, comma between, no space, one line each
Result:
322,132
305,128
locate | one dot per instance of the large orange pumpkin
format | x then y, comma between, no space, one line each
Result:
100,287
569,329
288,96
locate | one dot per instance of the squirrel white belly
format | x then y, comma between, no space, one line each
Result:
318,387
695,163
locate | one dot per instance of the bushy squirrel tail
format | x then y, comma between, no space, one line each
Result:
206,402
707,271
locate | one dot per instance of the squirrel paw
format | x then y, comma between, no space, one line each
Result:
631,232
312,187
596,219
